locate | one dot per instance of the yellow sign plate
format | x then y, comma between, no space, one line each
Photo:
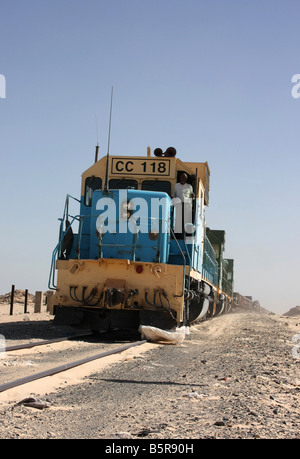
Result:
143,166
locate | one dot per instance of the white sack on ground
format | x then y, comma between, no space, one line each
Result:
174,336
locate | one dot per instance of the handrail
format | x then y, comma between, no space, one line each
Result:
54,255
188,254
184,263
79,218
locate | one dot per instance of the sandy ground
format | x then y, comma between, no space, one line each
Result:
18,312
236,376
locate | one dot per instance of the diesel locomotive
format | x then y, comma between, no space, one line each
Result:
133,253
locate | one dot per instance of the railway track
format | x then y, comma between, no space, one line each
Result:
67,359
67,366
42,343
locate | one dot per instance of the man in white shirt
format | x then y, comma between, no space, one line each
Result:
183,191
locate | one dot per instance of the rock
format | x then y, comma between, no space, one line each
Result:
19,297
34,403
195,395
123,435
293,312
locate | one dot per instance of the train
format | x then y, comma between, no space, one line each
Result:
133,253
245,303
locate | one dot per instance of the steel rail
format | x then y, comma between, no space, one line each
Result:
67,366
42,343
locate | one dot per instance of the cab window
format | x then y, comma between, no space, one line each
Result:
122,184
91,184
157,185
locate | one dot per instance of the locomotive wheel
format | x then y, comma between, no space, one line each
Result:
197,310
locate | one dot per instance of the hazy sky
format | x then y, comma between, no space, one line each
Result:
213,78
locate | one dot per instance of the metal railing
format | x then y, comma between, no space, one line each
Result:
210,264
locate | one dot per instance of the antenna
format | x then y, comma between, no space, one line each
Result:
96,153
107,156
97,146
